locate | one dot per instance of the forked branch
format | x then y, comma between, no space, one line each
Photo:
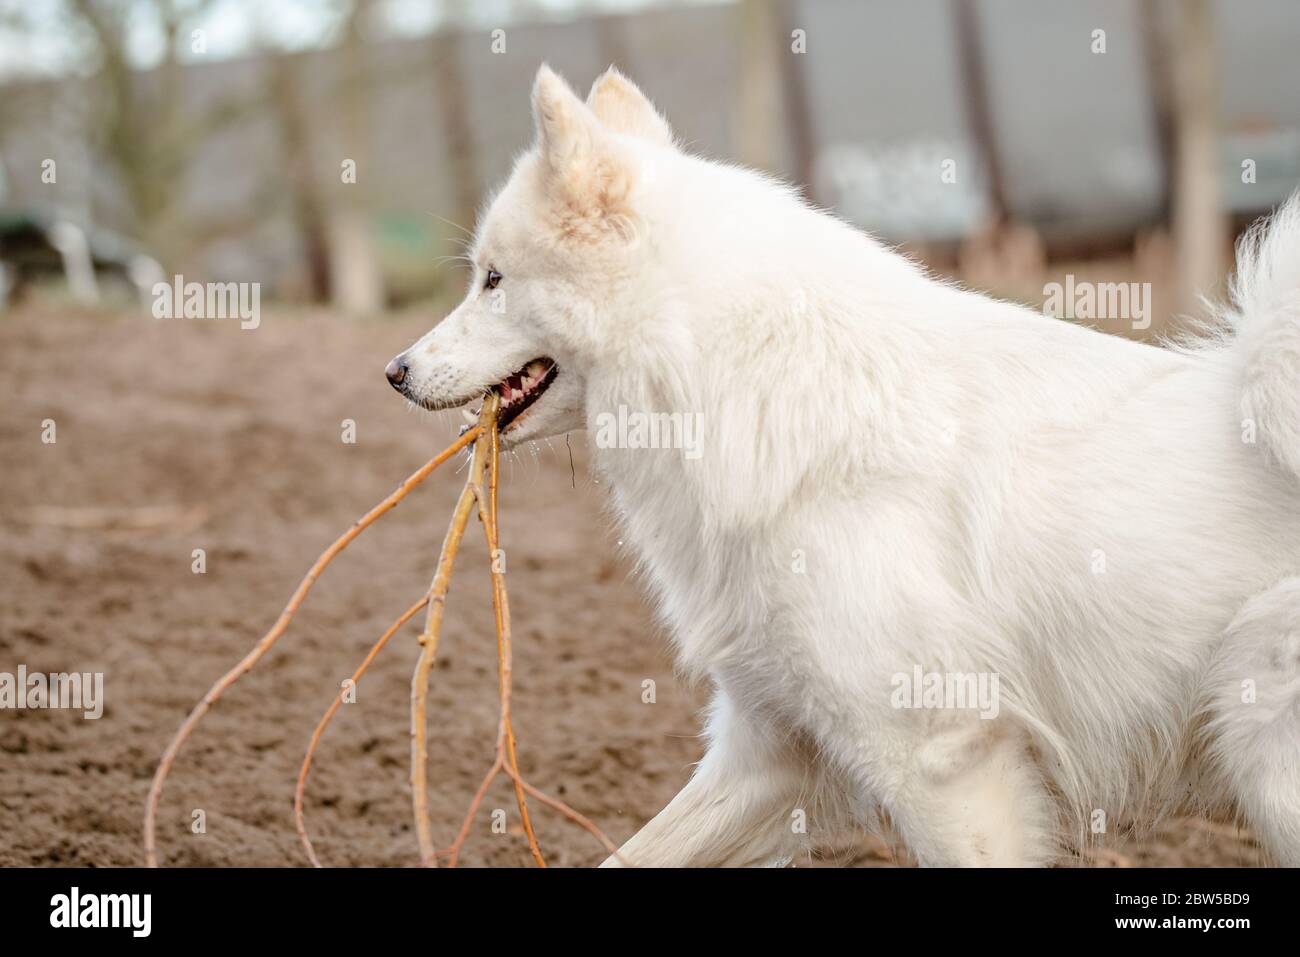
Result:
278,629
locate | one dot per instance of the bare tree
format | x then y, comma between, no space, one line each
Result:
1200,229
759,105
139,125
357,282
307,206
450,89
330,216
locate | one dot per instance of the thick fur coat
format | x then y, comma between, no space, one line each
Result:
898,478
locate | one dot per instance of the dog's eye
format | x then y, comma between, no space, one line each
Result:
493,279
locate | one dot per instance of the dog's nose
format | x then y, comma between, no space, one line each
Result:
396,372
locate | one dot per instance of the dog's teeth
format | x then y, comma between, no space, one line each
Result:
468,416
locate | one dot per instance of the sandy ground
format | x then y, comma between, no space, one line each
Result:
237,434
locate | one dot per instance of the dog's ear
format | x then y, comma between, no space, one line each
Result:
621,106
566,130
581,161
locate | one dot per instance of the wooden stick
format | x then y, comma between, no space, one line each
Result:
506,758
505,659
424,664
485,459
453,852
300,821
557,805
278,629
505,749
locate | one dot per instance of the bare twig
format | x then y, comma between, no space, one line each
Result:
299,792
479,495
269,639
428,652
501,609
486,459
506,758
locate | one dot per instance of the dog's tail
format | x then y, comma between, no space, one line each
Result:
1266,322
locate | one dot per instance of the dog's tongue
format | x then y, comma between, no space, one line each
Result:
512,385
518,385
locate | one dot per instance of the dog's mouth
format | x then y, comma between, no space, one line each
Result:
520,391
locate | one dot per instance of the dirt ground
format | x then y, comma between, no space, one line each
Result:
179,435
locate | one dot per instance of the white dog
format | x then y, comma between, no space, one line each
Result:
903,492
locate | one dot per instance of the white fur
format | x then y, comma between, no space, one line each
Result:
971,486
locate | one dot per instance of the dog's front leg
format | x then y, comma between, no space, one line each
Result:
737,808
969,796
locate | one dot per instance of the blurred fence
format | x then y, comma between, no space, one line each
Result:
339,172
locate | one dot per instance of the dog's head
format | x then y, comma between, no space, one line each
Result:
562,249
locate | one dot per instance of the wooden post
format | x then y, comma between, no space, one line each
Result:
1200,229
